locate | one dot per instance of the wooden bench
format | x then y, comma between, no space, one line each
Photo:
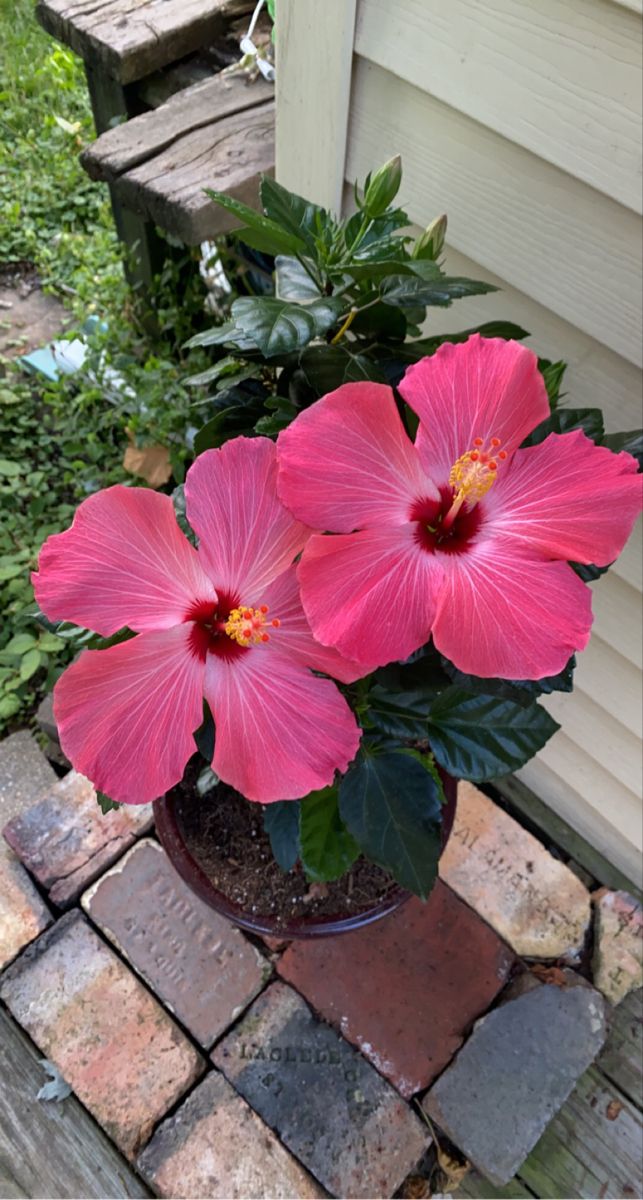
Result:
157,161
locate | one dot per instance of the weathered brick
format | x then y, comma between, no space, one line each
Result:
24,775
530,898
618,944
215,1147
66,841
23,913
110,1039
200,965
326,1103
405,988
514,1073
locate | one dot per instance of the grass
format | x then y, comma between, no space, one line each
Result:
60,442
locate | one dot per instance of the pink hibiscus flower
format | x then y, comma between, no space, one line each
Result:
224,622
461,534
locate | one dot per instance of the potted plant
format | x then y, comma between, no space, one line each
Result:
377,565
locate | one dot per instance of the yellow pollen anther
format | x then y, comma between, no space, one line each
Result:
472,475
247,625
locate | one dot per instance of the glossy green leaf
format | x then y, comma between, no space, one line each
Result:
631,441
589,572
412,351
327,848
105,804
300,218
399,714
403,290
281,823
293,281
266,235
483,737
225,366
214,432
552,373
590,420
521,691
328,367
390,803
278,327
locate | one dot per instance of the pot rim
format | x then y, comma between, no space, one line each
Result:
188,867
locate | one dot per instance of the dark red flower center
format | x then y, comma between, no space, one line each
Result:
229,628
430,532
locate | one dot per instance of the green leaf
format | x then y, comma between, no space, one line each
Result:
424,672
328,367
225,366
258,231
214,432
390,803
383,187
180,512
293,281
278,327
483,737
20,644
8,706
10,570
281,823
299,218
590,420
399,714
106,805
403,291
552,373
29,664
521,691
630,441
327,848
9,468
50,643
425,346
589,572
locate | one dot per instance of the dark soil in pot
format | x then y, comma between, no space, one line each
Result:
218,844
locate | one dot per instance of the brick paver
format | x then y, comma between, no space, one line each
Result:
199,964
529,897
24,775
66,841
405,989
118,1049
618,944
23,913
326,1103
216,1148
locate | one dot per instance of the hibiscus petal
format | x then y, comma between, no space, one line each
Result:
126,715
484,387
281,732
294,638
347,463
123,562
371,594
568,498
247,536
506,615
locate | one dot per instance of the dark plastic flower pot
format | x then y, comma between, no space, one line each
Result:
189,869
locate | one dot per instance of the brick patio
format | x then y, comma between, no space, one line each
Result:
214,1064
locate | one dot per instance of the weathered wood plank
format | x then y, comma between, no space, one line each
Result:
592,1147
475,1187
132,38
126,146
51,1149
228,155
622,1058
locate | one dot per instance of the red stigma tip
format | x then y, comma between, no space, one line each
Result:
493,466
502,454
478,442
265,637
474,456
484,458
246,633
495,441
275,623
264,608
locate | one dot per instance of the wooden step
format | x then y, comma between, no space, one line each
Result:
218,133
130,39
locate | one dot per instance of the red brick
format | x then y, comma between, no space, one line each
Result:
23,914
200,965
66,841
110,1039
405,989
197,1152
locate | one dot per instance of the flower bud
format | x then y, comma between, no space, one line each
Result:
431,242
383,187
